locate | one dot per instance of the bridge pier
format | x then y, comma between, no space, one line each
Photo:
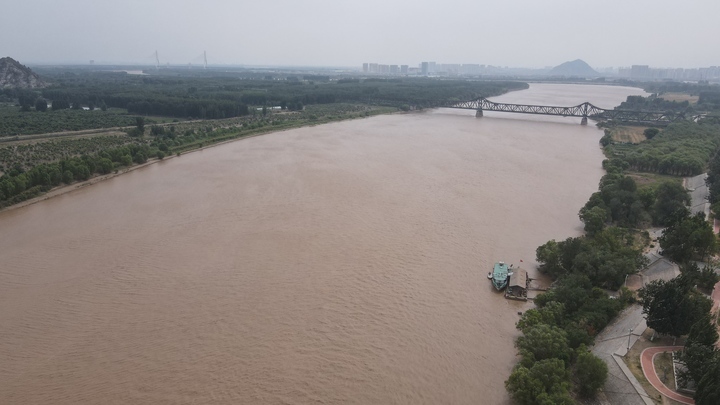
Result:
583,121
479,113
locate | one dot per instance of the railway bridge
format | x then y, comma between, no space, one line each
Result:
584,111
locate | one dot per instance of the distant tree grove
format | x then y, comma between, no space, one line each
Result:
18,185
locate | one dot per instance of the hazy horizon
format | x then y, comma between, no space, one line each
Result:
515,33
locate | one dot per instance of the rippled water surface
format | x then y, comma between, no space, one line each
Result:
342,263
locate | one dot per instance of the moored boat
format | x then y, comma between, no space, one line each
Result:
500,274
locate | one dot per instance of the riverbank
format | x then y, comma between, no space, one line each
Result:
231,130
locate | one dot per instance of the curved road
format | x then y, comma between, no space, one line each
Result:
646,361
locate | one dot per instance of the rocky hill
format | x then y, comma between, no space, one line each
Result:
576,68
15,75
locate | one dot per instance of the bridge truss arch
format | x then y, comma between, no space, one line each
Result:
585,110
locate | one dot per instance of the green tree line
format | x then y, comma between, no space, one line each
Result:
214,95
15,122
18,185
555,364
654,103
682,149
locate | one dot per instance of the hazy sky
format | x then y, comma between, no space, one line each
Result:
516,33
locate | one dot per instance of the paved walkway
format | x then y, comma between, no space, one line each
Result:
699,192
610,344
646,361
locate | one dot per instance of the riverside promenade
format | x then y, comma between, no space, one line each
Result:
617,338
610,345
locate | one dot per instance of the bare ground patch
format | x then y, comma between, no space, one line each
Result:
628,134
652,179
680,97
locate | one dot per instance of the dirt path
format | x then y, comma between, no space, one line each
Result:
646,361
86,133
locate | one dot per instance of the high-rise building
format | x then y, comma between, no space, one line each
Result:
366,68
424,68
471,69
373,67
640,71
404,69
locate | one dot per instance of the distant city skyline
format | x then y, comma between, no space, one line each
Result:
417,66
471,68
513,33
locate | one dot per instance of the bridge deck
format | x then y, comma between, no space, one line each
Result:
584,110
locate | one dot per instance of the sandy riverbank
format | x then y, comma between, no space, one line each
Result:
61,190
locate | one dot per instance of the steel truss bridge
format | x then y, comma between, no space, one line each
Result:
584,111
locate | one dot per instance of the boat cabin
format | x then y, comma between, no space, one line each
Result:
518,286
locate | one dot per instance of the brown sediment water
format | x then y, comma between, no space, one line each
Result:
342,263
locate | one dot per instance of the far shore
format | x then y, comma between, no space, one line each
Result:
65,189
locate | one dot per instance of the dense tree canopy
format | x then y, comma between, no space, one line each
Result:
41,104
553,344
622,203
687,237
591,373
18,184
545,382
682,149
605,259
708,388
705,277
217,95
699,348
586,309
670,199
654,103
673,307
542,342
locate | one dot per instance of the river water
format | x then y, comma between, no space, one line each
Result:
342,263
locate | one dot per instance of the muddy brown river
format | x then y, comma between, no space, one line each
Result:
342,263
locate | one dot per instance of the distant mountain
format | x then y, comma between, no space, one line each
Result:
577,68
15,75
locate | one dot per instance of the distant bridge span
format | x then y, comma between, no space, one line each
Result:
584,111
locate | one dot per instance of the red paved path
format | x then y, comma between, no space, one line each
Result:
646,361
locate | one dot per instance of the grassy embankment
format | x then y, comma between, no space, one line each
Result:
36,167
312,115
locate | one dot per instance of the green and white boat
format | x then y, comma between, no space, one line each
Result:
500,275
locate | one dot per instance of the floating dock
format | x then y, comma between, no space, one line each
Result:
518,285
